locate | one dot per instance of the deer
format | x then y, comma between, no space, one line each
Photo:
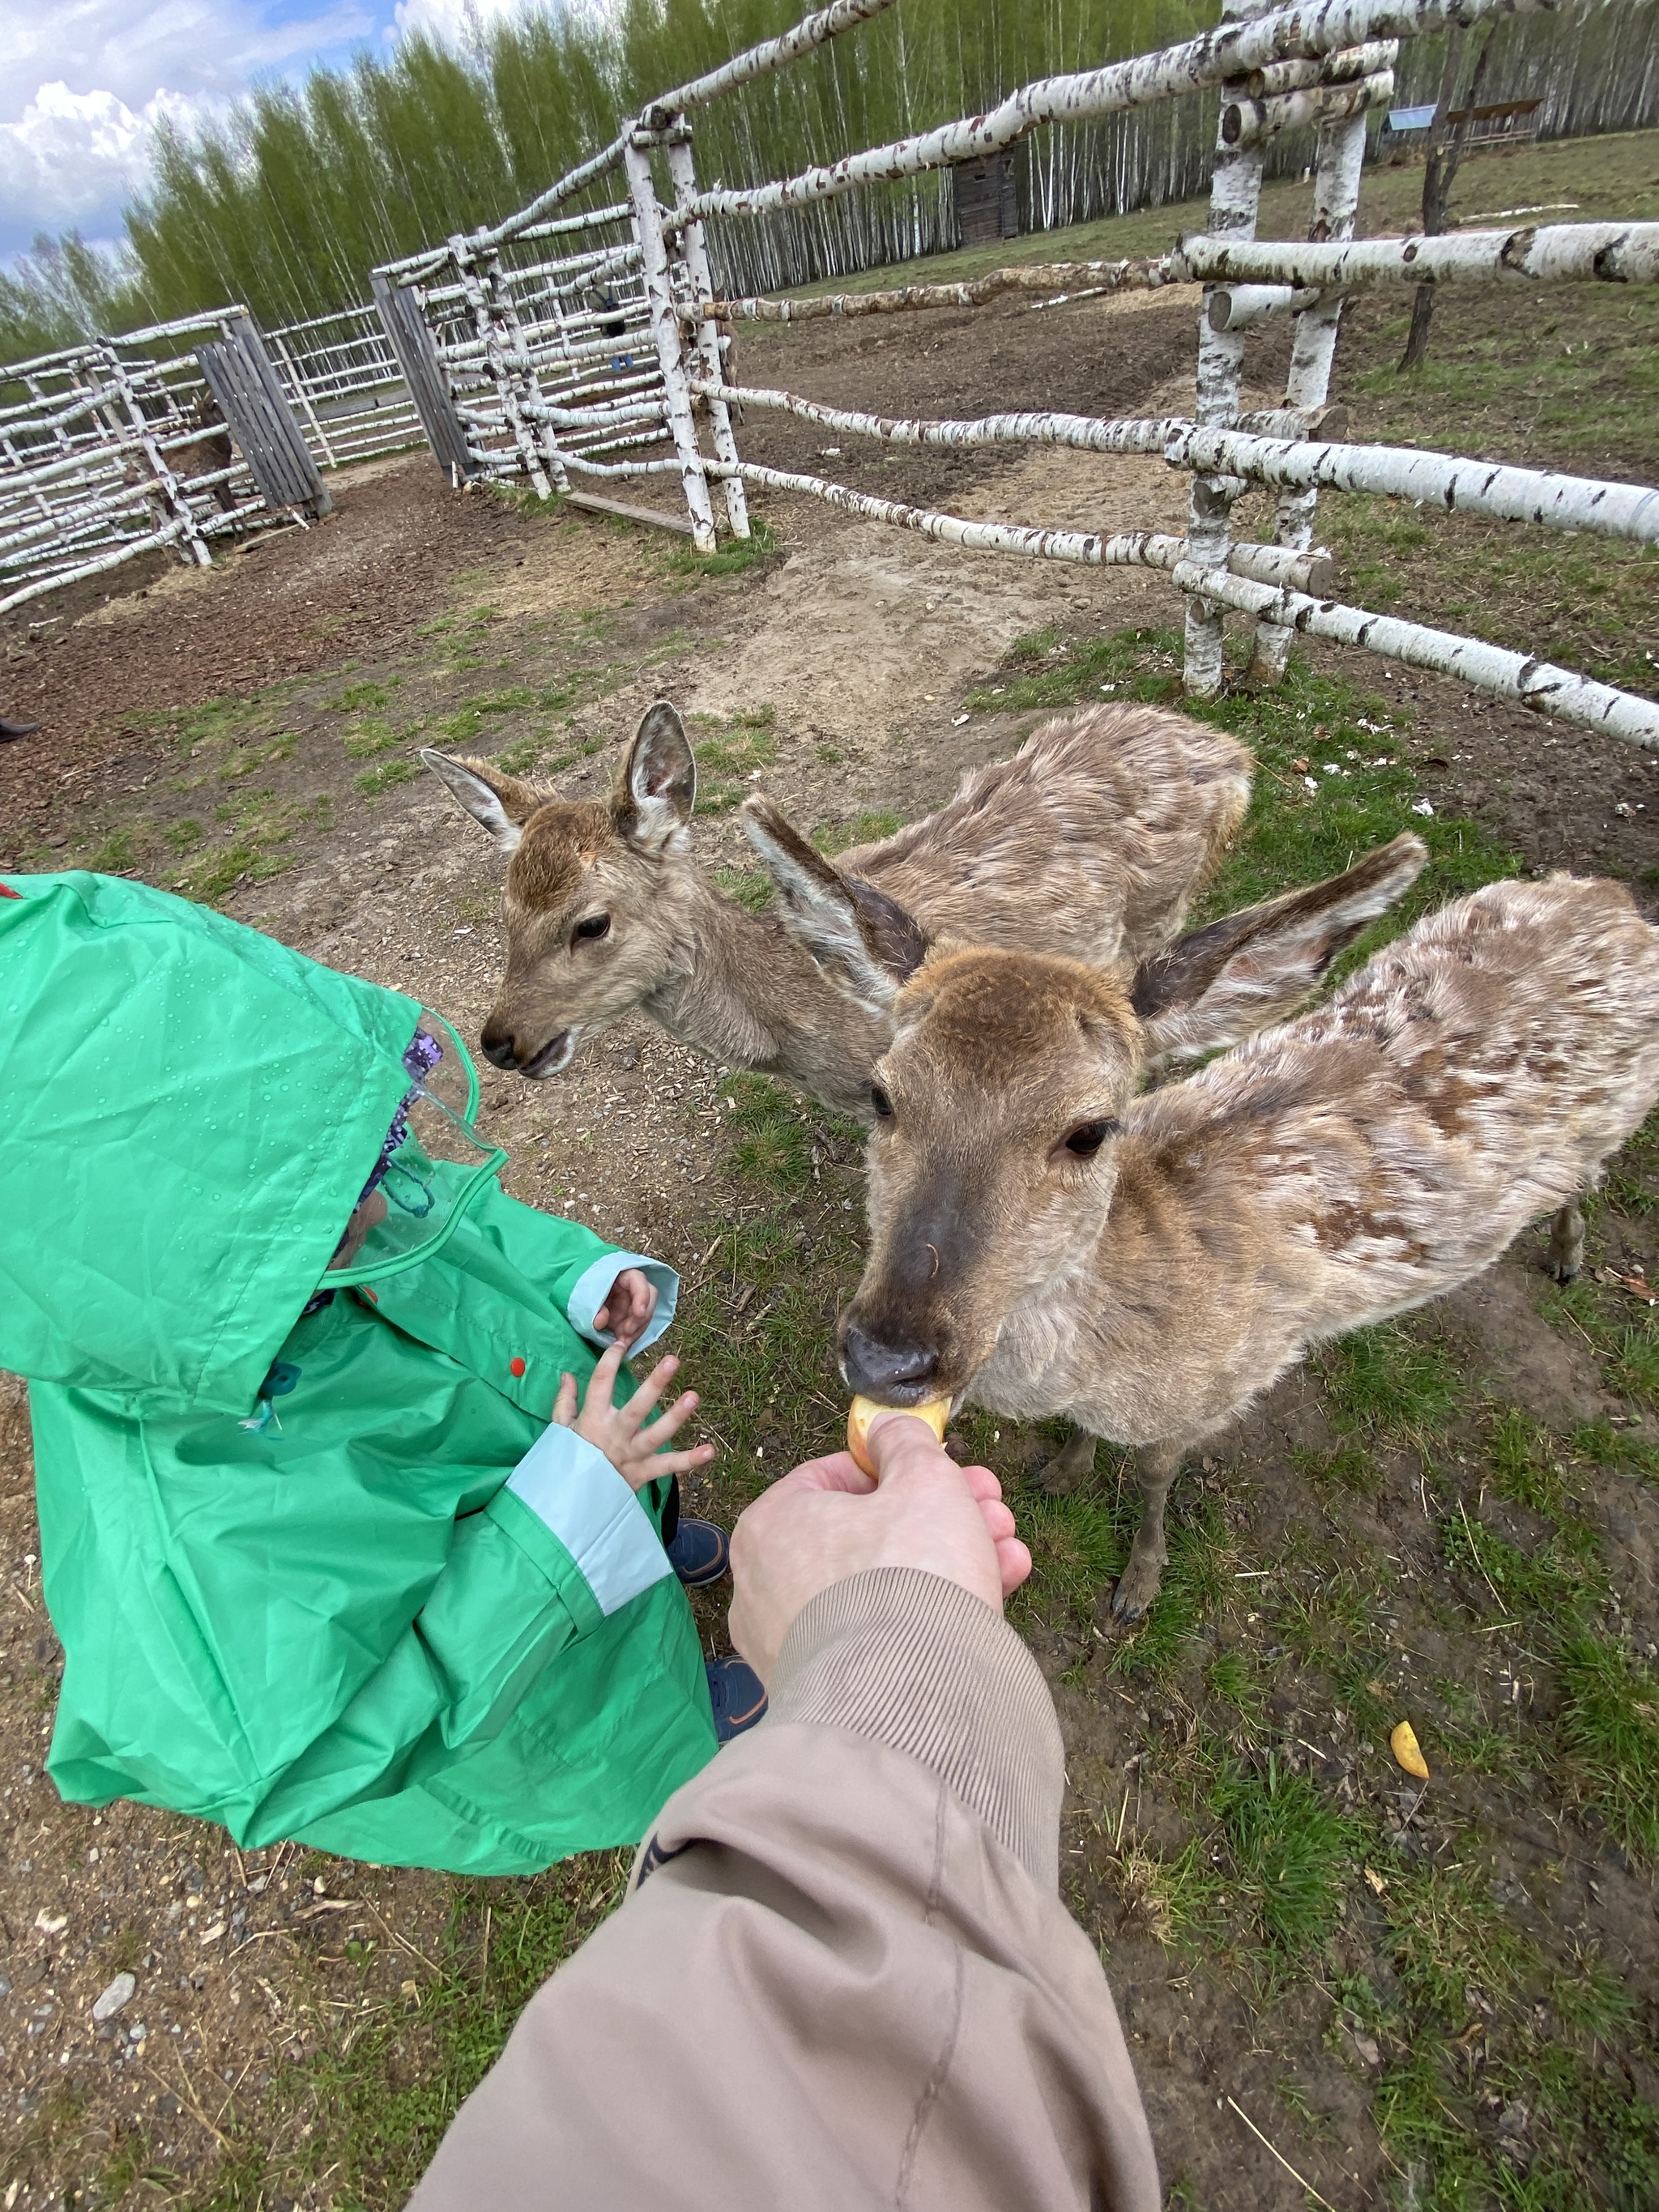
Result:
1045,1241
1089,842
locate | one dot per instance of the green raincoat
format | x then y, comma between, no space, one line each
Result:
323,1574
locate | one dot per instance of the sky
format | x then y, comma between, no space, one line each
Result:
82,82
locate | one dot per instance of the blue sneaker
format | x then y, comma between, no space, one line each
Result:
737,1695
700,1554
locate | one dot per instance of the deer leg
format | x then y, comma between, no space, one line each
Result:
1567,1242
1157,1466
1070,1466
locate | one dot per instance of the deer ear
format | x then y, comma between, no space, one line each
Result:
864,941
499,804
657,787
1219,985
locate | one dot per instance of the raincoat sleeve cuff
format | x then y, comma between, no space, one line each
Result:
592,1287
578,1497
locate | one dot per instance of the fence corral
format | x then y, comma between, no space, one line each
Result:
541,397
185,433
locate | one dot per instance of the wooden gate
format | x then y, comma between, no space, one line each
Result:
242,380
411,341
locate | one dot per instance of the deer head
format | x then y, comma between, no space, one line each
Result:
589,930
994,1155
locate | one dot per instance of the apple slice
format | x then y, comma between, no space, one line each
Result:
934,1411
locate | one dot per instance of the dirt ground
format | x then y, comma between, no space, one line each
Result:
245,734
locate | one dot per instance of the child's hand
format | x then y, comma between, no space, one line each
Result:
629,1306
616,1430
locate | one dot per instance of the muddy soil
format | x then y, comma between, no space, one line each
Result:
219,703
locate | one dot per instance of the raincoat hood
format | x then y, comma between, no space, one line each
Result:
191,1112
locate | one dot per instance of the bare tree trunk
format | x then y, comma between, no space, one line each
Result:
1446,141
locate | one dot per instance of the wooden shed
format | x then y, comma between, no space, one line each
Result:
987,207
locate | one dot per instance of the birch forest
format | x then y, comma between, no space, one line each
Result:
288,205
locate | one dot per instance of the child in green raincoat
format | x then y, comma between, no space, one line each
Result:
320,1565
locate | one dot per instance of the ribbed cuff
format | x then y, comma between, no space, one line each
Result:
923,1665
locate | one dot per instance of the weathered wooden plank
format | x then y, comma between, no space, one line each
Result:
411,342
653,515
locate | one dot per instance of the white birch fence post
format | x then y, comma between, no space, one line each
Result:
665,330
176,503
708,363
1336,200
1235,194
496,336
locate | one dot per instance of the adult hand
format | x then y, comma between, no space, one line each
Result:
629,1306
826,1521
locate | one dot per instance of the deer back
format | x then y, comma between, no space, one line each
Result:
1089,843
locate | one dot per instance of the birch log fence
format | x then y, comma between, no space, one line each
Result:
183,433
588,363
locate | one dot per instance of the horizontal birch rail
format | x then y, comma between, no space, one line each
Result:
1232,50
1535,683
1460,487
1253,122
1147,276
1087,433
1273,566
1604,252
771,54
1337,68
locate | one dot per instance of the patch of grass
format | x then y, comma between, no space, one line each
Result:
773,1142
1288,1849
1233,1679
1521,1455
753,888
743,745
360,698
117,855
1391,1381
513,702
1554,1581
1609,1725
364,739
832,837
185,835
735,557
374,780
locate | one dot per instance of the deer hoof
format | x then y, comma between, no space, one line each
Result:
1561,1273
1137,1587
1070,1467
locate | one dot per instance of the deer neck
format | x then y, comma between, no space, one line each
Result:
738,989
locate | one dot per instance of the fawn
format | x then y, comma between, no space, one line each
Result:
1089,842
1043,1241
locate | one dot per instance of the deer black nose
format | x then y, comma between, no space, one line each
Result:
498,1051
895,1373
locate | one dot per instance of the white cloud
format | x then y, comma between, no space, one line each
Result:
71,153
81,86
456,22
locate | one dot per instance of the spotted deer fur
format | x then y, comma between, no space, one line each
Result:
1045,1242
1089,843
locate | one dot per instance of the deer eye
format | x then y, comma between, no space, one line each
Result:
881,1104
597,925
1086,1140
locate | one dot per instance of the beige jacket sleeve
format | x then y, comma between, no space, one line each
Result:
843,1976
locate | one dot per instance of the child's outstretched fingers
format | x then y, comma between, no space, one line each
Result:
596,1399
649,1394
564,1403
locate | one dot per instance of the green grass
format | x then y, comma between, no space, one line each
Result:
374,780
364,739
1390,1380
868,829
753,888
1609,1727
735,556
360,698
1288,1848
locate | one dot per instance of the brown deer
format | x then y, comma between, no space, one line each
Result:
1043,1241
1089,843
